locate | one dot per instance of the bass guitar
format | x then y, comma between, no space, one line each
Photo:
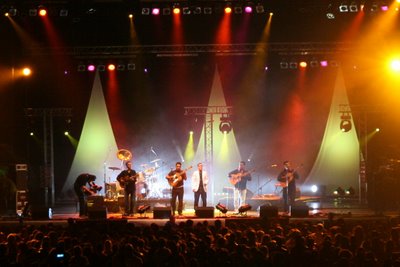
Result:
123,180
236,178
175,179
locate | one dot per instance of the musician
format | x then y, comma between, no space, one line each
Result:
127,180
287,177
199,185
83,187
241,176
176,179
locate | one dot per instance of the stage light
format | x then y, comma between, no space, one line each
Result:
343,8
131,66
374,8
244,208
32,12
42,12
101,67
176,10
166,11
228,10
293,65
81,67
31,133
207,10
323,63
350,191
91,67
143,208
111,67
238,10
225,125
11,12
248,9
120,67
314,188
197,10
221,208
191,132
130,16
186,11
353,7
63,12
284,65
384,8
145,11
303,64
395,65
330,15
377,130
259,8
339,191
345,124
155,11
26,71
66,133
314,64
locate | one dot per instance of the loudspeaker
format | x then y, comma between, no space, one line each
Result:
267,211
21,179
97,213
95,202
161,212
204,212
39,213
299,211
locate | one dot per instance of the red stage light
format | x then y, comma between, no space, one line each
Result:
228,10
42,12
111,67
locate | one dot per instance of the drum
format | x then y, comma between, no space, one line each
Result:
140,178
142,190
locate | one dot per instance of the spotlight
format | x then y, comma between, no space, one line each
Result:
63,12
259,8
353,7
303,64
155,11
293,65
145,11
244,208
339,191
111,67
42,12
186,11
26,71
345,124
314,188
166,11
207,10
226,125
330,15
228,10
323,63
120,67
221,208
131,66
248,9
176,10
91,67
284,65
197,10
143,208
33,12
350,191
343,8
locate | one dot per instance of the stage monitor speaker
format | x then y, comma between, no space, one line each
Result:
267,211
299,211
98,213
21,179
95,202
39,213
161,212
204,212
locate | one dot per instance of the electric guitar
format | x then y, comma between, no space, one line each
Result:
236,178
177,177
123,180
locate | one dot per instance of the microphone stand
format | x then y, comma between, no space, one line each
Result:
260,188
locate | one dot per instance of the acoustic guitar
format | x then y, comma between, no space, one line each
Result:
175,179
236,178
123,180
286,179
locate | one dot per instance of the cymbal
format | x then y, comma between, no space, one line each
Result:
114,168
153,161
144,165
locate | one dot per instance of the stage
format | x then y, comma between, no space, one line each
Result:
311,210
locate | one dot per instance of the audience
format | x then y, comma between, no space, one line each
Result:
278,242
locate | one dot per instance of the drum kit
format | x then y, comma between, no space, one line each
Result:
146,184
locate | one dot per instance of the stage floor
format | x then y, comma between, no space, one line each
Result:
66,214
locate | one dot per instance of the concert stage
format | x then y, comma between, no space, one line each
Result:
311,211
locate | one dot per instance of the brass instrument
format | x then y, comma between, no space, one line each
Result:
124,154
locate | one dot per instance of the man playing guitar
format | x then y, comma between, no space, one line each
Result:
239,178
127,180
176,179
287,178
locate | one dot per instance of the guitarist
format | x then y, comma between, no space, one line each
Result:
287,177
178,176
83,187
127,180
240,176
